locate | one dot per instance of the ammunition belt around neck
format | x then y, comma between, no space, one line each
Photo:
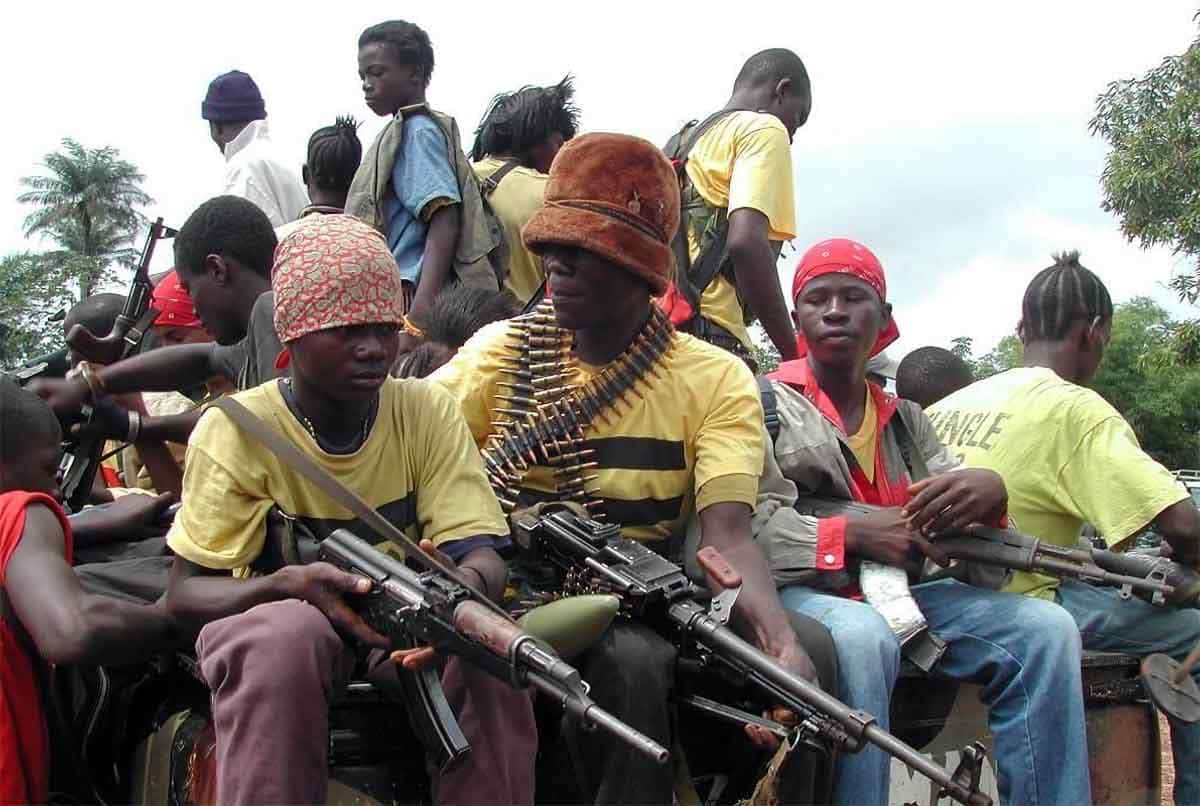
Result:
544,417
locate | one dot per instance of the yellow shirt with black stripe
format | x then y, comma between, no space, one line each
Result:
743,161
519,195
418,467
687,440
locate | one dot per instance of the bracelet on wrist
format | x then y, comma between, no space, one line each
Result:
135,427
91,378
411,329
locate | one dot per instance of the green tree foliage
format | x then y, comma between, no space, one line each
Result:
33,289
1151,177
1161,403
763,351
1005,355
86,203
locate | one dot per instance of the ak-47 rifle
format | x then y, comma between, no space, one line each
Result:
81,457
432,608
658,593
1156,579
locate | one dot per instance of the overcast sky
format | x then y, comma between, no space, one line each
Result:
951,138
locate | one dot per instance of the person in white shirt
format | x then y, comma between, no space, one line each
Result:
237,122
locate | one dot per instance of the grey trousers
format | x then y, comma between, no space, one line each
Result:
273,672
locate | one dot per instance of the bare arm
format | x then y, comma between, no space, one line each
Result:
170,428
164,370
67,625
165,473
130,517
490,568
758,281
759,613
197,595
1179,524
441,242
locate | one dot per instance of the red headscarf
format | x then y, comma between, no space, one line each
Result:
173,304
843,256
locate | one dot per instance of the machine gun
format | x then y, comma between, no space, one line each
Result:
1155,579
659,593
404,604
81,457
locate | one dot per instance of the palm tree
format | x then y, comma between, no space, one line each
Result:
86,204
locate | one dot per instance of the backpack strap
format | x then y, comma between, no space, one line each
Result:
913,461
694,277
770,404
488,186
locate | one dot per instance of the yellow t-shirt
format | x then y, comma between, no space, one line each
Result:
744,160
693,438
1066,455
518,196
418,468
862,442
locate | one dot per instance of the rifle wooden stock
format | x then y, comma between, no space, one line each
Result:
431,608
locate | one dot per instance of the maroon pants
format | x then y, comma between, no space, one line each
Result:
273,672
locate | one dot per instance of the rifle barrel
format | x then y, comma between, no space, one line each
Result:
857,724
591,714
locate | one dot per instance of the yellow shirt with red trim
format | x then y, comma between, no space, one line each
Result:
418,467
519,195
1066,455
691,438
743,161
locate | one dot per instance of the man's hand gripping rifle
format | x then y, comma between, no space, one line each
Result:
659,593
429,607
1158,580
81,456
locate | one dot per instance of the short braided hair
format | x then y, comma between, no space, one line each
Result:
1060,295
928,374
334,153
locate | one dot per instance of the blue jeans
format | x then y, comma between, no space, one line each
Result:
1140,628
1024,652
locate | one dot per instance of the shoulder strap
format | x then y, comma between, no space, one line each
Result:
913,460
770,404
694,277
488,186
697,131
287,452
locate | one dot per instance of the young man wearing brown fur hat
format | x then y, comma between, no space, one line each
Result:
686,439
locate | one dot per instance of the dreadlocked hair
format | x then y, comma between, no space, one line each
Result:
1061,295
928,374
24,418
408,43
334,153
517,121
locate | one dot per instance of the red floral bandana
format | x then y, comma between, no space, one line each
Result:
334,271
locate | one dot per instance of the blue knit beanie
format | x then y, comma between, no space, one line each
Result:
233,97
